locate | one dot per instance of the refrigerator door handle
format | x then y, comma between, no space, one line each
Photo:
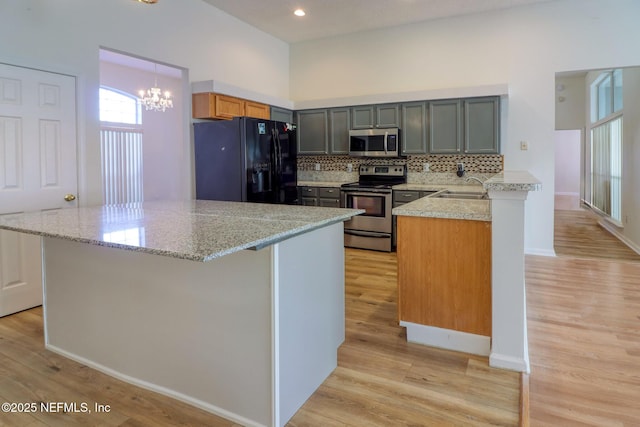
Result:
273,173
277,135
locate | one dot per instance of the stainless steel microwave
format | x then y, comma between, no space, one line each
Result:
375,142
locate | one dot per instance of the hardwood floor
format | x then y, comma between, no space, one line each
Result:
584,345
578,235
381,379
584,338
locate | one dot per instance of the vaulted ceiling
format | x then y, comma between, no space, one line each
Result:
326,18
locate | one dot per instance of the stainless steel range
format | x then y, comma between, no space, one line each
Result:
372,192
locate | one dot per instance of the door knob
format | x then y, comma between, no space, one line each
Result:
69,197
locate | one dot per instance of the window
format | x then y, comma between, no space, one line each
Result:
119,107
606,95
605,192
121,148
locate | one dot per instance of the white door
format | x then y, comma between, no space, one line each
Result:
37,170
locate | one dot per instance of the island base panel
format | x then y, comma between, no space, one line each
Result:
310,314
214,334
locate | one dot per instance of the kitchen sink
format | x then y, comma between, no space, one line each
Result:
473,195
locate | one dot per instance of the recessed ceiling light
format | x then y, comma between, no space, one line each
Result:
148,1
299,12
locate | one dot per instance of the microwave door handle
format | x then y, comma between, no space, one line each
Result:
386,134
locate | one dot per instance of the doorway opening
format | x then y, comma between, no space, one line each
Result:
145,153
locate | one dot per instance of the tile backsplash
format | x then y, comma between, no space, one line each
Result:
441,167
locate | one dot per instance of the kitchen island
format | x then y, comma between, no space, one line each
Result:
482,240
235,308
444,272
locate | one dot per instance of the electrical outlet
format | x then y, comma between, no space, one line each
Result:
425,167
349,167
317,166
524,145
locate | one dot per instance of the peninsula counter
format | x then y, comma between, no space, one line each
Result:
165,295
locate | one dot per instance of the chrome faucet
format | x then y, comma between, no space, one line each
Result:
474,179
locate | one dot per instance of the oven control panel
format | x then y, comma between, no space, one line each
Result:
383,170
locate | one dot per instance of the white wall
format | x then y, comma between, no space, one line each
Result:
523,47
164,156
567,162
66,36
570,102
631,156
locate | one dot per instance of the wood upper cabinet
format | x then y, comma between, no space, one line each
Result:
210,105
257,110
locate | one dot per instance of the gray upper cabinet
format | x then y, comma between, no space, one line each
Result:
339,121
281,115
414,128
388,116
482,125
451,126
445,119
375,116
313,132
362,117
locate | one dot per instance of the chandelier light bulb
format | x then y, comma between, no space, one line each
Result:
154,99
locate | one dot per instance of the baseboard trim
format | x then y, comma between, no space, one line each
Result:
155,388
447,339
613,230
540,252
524,400
508,362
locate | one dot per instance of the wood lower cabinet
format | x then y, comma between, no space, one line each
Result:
210,105
444,273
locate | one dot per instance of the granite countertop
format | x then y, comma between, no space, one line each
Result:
320,183
513,181
196,230
434,207
471,209
437,187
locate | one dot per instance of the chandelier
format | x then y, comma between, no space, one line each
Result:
153,98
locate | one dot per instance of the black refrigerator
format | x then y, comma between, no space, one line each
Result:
246,160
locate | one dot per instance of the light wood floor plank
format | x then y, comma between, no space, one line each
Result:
584,336
584,342
382,380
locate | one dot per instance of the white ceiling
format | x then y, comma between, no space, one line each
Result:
139,63
327,18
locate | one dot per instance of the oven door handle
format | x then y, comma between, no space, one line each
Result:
367,234
382,192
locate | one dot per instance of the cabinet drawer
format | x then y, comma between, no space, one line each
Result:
405,196
309,191
329,203
329,192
